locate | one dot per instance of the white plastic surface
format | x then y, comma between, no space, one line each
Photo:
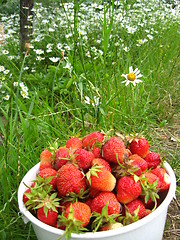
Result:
148,228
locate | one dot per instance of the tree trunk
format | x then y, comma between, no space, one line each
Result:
26,23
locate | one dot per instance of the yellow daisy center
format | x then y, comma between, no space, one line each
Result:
131,76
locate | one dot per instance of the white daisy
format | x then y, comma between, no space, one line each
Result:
39,51
5,52
51,30
2,69
54,59
132,77
68,66
126,49
59,46
6,71
6,97
24,94
94,102
15,84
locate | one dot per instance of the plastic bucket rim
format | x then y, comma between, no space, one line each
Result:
163,206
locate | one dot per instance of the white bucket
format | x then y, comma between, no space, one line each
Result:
149,228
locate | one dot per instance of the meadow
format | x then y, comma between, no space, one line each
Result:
74,78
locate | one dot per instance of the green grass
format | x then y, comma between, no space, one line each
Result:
94,39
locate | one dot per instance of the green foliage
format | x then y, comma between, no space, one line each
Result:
9,6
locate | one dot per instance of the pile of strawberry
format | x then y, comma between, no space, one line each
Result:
97,183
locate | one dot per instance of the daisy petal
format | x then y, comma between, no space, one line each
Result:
138,76
130,69
136,71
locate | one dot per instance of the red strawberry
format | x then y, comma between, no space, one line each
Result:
101,179
97,152
74,143
127,189
45,156
164,178
83,158
150,186
44,164
60,225
136,208
101,162
93,192
49,217
153,160
25,197
61,157
148,204
70,179
49,172
88,202
151,178
92,140
81,212
138,162
139,146
63,206
102,199
114,150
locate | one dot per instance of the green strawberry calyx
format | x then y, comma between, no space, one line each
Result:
149,191
101,219
93,171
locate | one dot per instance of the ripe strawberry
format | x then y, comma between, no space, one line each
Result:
150,185
49,217
44,164
101,162
139,146
150,204
25,194
61,157
80,211
150,178
88,201
153,160
114,150
93,192
102,199
45,156
138,162
64,205
164,178
70,179
49,172
101,179
127,189
74,143
97,152
84,158
25,198
136,208
93,140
